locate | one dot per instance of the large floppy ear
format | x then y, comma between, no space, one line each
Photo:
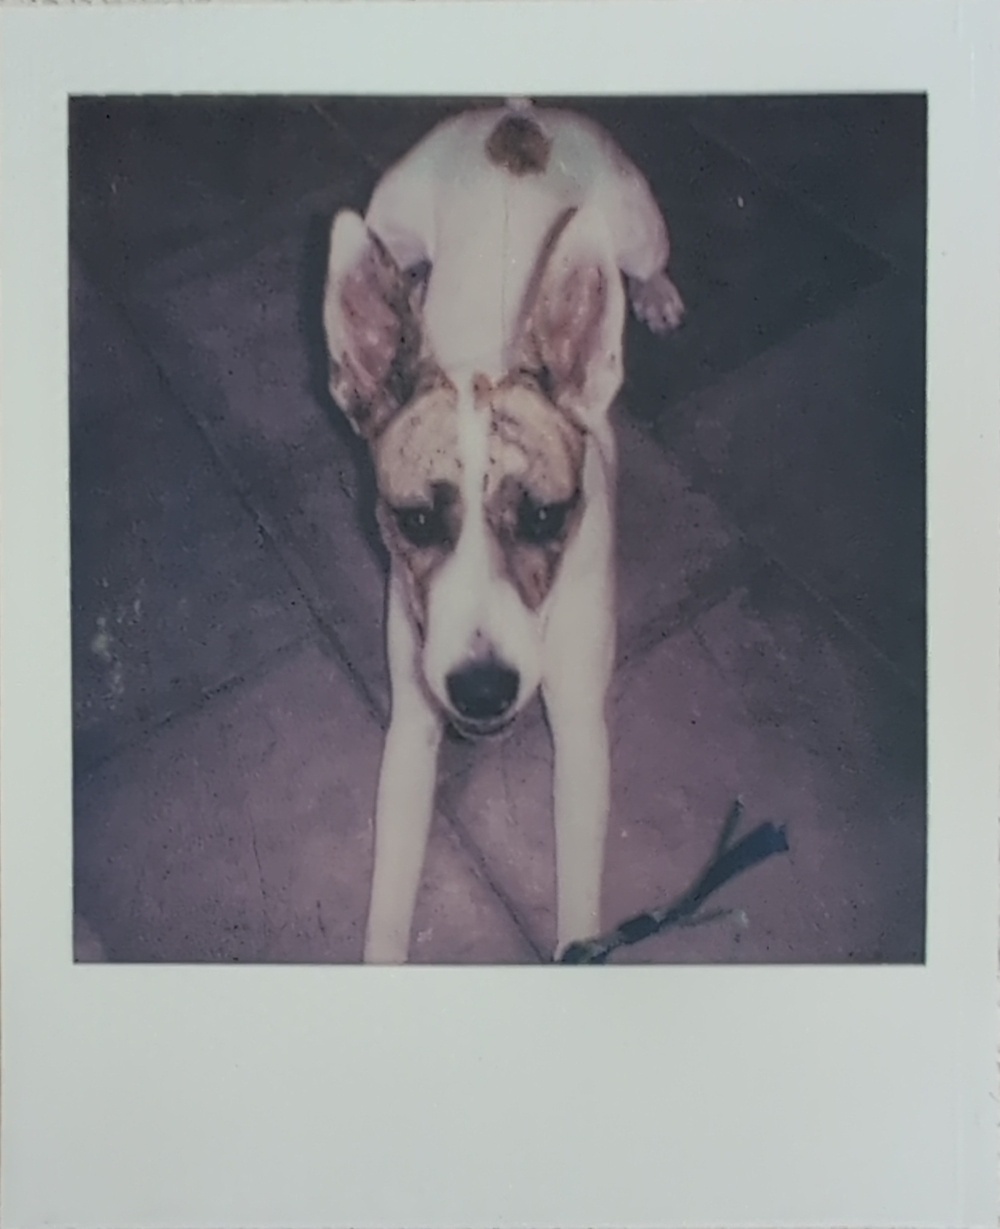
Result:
572,325
372,328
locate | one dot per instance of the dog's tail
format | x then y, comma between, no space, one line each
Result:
518,143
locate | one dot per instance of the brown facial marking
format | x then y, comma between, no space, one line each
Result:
532,538
518,145
420,538
418,472
534,441
419,447
533,485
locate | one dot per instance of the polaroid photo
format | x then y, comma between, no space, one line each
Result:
486,489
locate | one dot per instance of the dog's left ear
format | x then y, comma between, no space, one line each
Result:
372,328
574,318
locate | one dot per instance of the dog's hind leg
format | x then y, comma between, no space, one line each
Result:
405,803
642,246
657,302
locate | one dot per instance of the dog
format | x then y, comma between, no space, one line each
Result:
474,320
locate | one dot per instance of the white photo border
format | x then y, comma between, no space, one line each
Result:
263,1096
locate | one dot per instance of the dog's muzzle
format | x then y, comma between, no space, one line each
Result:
482,696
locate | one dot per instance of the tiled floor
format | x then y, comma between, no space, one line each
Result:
229,681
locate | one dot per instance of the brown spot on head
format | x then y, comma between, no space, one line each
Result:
419,446
533,485
533,440
418,472
518,145
482,388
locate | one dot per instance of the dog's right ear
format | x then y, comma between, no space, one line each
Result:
372,329
574,317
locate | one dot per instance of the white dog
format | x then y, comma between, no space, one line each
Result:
483,392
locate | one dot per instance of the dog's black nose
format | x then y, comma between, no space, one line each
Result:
482,691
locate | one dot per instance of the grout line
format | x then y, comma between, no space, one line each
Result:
856,634
232,242
766,557
344,134
819,211
706,593
145,730
476,856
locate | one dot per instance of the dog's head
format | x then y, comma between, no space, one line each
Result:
480,475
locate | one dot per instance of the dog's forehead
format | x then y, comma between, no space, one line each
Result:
420,446
534,442
529,440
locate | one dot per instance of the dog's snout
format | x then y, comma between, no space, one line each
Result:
483,691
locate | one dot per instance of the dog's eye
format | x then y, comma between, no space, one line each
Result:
422,526
538,524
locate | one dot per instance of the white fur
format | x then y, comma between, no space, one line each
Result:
472,606
482,229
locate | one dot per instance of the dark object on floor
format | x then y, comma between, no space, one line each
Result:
729,860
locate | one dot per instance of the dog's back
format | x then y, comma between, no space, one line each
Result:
493,184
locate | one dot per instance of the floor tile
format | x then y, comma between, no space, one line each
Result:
151,177
241,349
860,159
242,832
174,590
816,450
840,757
676,552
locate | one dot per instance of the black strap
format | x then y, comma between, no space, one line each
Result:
729,860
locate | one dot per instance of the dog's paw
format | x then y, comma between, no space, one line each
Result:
657,302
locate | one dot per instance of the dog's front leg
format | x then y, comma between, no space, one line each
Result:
405,802
575,691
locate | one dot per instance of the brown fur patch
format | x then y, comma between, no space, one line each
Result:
536,452
531,567
518,145
419,564
416,457
535,442
419,446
